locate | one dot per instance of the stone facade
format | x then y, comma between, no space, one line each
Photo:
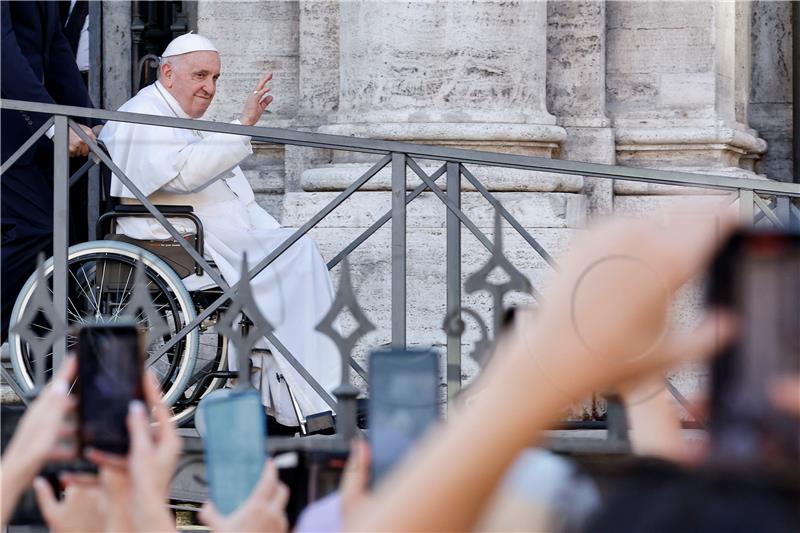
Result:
698,86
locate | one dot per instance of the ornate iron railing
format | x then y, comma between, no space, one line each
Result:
759,199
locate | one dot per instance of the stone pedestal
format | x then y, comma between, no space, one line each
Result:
677,88
447,73
576,89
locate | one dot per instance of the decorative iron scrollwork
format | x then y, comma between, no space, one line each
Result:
40,345
243,339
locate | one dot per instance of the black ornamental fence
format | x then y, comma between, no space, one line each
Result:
41,336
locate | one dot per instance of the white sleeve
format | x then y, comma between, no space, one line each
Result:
204,161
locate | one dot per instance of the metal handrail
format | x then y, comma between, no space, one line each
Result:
422,151
401,157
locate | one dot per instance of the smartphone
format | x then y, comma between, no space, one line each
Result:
234,439
110,371
403,404
757,277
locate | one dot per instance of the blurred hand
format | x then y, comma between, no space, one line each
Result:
602,322
256,102
604,319
83,508
154,450
78,148
143,477
785,394
264,510
117,487
47,431
355,480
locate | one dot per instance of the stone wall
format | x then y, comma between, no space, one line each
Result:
770,105
696,86
652,84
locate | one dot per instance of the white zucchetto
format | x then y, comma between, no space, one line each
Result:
189,42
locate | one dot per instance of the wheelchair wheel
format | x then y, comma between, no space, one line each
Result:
100,278
208,376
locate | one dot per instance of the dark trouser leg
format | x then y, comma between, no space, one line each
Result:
78,204
26,211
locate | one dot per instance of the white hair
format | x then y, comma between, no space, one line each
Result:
173,61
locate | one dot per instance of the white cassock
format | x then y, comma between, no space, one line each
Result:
186,167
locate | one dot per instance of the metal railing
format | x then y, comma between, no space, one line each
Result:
759,199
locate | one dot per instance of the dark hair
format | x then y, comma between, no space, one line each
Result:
654,495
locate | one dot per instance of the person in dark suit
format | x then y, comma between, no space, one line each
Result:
37,65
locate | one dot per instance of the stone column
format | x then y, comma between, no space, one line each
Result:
447,73
318,82
676,75
255,37
460,74
576,90
672,88
770,97
116,54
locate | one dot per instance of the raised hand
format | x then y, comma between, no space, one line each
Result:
83,508
45,433
257,102
264,509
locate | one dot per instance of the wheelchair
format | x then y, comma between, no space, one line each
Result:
99,286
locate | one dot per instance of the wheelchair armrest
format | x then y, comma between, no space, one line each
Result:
140,209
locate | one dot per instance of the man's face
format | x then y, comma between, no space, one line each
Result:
192,80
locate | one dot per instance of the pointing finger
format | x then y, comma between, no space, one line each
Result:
44,496
264,80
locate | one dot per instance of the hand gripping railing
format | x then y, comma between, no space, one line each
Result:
751,193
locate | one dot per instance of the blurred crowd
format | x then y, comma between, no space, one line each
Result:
482,469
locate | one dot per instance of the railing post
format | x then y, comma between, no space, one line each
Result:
399,250
60,229
616,419
453,280
783,210
746,206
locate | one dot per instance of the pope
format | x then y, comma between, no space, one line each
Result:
187,167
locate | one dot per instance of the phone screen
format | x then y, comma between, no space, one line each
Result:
234,438
109,377
403,404
757,276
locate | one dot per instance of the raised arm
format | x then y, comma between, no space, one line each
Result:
585,337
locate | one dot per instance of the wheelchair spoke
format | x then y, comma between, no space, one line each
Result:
78,283
74,312
125,293
91,291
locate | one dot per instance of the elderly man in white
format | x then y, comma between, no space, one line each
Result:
187,167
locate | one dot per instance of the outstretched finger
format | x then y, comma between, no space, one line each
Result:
265,102
209,515
167,437
261,92
106,460
67,370
281,496
785,394
152,395
268,483
44,497
78,478
139,429
713,334
267,77
689,241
